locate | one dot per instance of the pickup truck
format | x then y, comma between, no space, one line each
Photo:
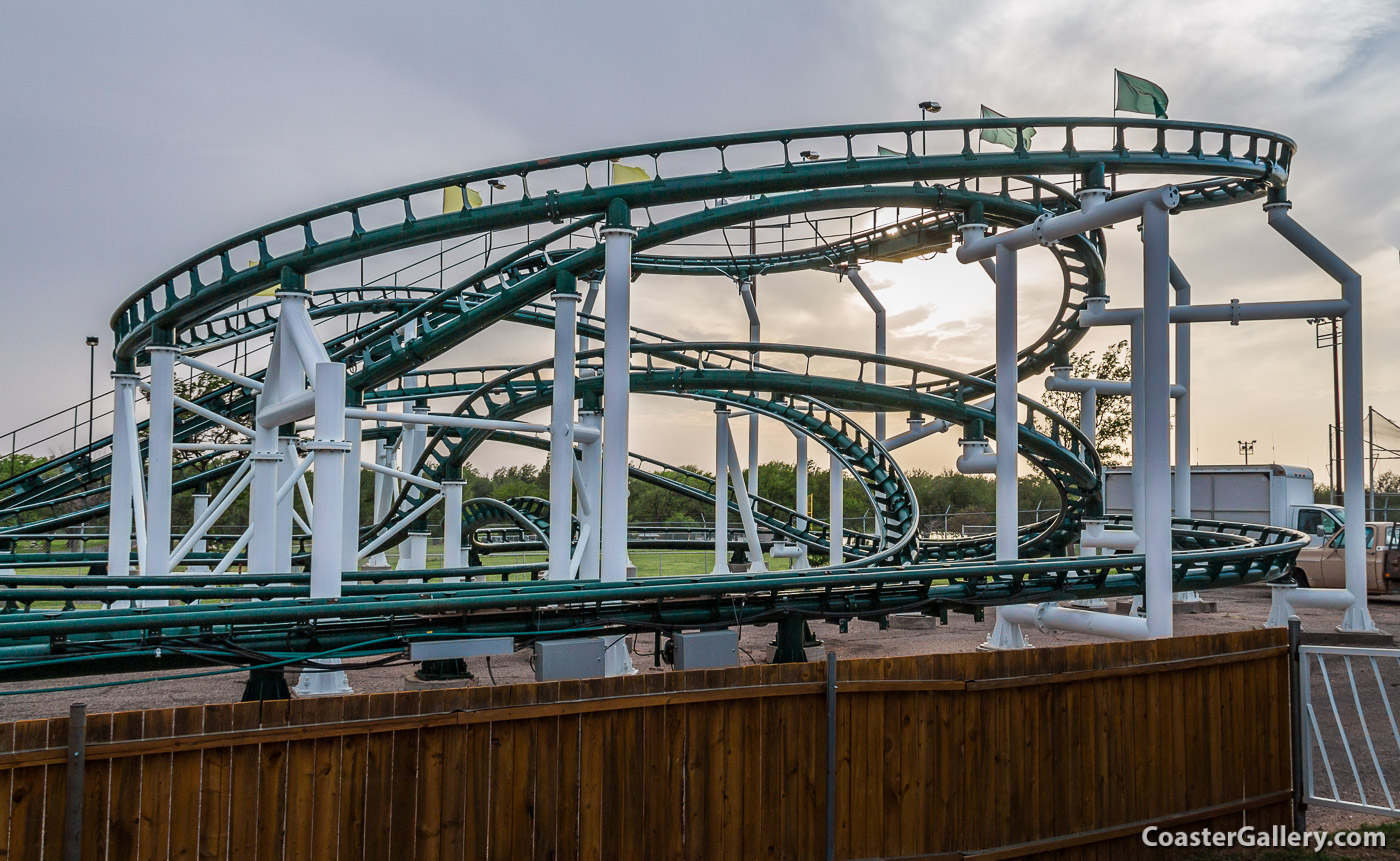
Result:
1322,565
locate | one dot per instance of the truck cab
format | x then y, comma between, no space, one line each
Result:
1319,522
1324,566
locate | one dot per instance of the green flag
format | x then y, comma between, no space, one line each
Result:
1005,137
1139,95
886,152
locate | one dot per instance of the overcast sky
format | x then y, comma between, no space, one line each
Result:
136,134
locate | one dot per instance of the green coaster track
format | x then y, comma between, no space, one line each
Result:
510,253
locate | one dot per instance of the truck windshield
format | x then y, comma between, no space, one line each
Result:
1370,538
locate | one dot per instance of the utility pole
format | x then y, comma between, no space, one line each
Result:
1246,449
92,342
1328,335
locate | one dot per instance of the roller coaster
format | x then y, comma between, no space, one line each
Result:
309,378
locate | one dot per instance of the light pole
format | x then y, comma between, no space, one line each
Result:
1246,449
92,341
926,108
1328,336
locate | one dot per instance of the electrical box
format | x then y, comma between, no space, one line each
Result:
702,650
443,650
569,659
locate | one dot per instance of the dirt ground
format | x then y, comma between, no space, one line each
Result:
1237,608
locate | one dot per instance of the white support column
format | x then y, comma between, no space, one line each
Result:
721,490
1156,529
561,430
124,474
383,489
1357,616
1181,479
452,526
1181,485
880,336
160,463
350,526
836,506
1088,425
745,504
1006,634
748,289
201,506
617,353
800,504
327,518
591,472
413,551
1007,502
262,500
286,504
1139,485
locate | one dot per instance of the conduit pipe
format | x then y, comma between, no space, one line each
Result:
1050,617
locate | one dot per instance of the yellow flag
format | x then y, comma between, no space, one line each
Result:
271,291
452,198
624,173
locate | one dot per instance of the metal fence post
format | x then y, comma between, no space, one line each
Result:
77,760
1296,728
830,756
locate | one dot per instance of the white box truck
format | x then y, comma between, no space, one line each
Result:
1266,493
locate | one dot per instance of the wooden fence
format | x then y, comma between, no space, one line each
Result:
1065,752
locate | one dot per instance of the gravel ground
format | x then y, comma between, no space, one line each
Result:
1238,608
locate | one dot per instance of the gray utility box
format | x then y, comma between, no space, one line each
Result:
703,650
569,659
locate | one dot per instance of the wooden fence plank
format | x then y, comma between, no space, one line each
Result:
27,794
153,835
186,778
247,781
97,782
215,787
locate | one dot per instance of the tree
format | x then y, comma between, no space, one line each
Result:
192,389
1113,418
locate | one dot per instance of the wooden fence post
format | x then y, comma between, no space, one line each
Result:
830,756
77,760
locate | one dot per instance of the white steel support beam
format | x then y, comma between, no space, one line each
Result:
160,463
124,475
561,430
1006,406
617,354
1358,615
1181,483
836,490
200,509
331,450
288,468
721,490
1006,633
350,526
748,289
452,524
1156,528
745,503
853,272
800,503
591,484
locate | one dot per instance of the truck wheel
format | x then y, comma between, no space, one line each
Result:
1300,577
